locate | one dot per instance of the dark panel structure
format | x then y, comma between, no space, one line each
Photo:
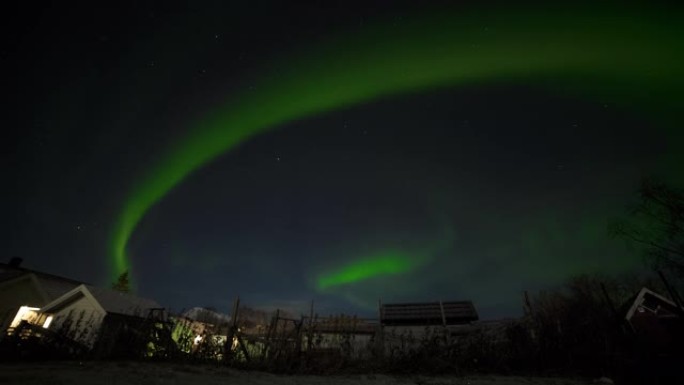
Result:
428,313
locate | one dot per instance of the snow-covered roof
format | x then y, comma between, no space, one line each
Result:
113,301
108,300
644,296
50,286
55,286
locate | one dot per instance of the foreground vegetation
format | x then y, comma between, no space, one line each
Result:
135,373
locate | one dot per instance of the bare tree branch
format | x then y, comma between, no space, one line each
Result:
635,238
657,222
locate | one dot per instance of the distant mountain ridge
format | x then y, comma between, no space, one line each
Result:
246,316
205,315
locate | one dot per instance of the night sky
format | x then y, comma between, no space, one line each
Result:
334,151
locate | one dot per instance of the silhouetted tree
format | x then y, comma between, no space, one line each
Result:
122,284
656,222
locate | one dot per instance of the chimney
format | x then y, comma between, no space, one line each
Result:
15,262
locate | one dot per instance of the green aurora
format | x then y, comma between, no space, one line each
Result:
632,57
387,263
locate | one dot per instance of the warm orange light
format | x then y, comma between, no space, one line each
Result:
24,313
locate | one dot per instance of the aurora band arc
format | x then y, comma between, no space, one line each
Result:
386,263
626,55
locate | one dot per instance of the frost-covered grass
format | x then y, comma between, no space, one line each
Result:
125,373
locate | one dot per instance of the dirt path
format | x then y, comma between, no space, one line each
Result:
124,373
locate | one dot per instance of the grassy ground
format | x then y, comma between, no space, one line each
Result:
129,373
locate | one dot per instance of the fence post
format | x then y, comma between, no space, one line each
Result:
380,343
309,332
228,347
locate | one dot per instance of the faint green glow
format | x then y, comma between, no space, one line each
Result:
632,57
389,263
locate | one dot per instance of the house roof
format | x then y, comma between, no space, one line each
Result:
8,272
60,291
649,299
110,301
50,286
113,301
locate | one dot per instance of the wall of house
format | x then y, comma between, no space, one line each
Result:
80,321
13,295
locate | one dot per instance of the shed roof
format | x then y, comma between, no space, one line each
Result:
428,313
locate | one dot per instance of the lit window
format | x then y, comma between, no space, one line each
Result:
24,313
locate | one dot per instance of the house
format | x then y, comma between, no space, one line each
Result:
24,291
656,321
89,314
